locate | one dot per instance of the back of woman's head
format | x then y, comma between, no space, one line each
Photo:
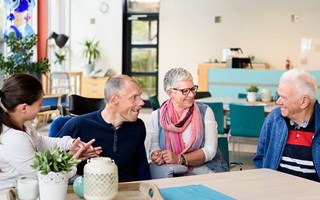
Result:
18,89
175,75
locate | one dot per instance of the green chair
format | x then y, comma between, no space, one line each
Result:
154,102
218,111
223,143
224,148
245,122
242,95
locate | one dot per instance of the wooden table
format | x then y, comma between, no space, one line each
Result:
268,106
247,184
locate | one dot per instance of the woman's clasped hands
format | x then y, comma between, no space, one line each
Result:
165,157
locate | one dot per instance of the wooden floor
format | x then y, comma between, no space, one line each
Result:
246,159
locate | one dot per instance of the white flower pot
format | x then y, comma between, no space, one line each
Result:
53,186
87,69
252,96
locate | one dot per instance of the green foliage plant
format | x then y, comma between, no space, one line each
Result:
19,56
252,88
90,51
53,160
59,58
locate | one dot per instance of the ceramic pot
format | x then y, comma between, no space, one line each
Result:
251,96
53,186
100,179
265,95
87,69
78,186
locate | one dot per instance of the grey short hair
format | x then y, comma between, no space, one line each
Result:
115,84
175,75
303,82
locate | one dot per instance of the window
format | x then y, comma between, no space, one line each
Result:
140,51
143,6
19,21
2,26
59,24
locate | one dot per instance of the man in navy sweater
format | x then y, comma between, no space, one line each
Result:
116,128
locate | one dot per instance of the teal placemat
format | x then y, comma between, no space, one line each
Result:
192,192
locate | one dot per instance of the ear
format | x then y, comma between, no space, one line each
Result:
169,92
305,102
22,108
114,99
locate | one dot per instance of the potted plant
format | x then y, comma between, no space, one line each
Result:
60,57
53,166
19,56
252,93
90,53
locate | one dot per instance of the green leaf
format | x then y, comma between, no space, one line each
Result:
90,51
19,58
53,159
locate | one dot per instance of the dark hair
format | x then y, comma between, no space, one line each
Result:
18,89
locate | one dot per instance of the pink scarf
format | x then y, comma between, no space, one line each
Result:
174,126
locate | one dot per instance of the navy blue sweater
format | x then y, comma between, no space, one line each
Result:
125,145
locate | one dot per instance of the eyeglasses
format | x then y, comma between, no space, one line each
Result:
186,91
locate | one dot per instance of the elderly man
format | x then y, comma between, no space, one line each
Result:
289,141
116,128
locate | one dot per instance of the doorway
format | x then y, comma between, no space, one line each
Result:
140,56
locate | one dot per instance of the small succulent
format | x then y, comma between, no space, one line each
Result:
252,88
54,159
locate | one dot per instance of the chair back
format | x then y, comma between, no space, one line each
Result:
57,125
59,83
79,105
50,100
223,142
242,95
217,108
154,102
203,94
246,120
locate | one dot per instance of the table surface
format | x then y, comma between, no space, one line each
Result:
248,184
268,106
252,184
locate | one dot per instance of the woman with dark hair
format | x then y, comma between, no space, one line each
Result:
20,100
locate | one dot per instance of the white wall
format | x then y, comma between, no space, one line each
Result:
107,29
189,36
